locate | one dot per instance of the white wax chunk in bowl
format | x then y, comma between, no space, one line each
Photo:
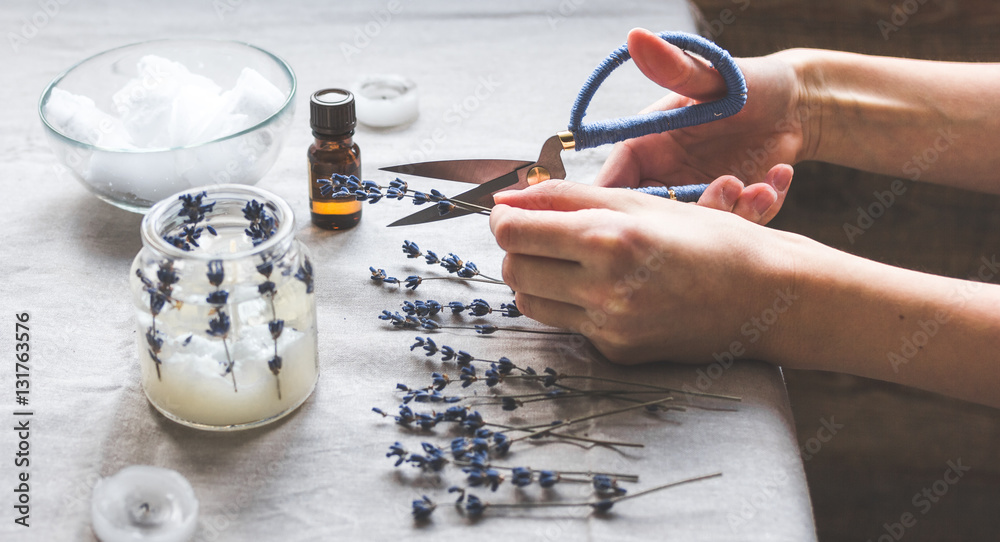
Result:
253,96
79,118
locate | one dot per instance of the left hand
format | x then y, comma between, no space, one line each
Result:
644,278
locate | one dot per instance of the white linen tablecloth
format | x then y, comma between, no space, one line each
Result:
512,70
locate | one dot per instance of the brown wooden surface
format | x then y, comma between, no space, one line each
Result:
895,441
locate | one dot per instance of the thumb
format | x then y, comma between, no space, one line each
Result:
670,67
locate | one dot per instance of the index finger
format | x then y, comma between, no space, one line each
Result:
552,234
562,195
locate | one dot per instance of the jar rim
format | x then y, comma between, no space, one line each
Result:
152,222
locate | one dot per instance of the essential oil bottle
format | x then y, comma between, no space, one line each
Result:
332,118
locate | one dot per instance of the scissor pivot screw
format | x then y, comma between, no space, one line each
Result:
537,174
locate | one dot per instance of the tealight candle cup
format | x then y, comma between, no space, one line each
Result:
144,503
385,101
225,310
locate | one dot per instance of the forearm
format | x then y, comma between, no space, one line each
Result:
913,119
857,316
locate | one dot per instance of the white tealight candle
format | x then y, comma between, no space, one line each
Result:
383,101
142,503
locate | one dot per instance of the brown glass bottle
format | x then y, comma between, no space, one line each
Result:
332,118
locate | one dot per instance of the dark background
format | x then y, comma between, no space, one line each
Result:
896,441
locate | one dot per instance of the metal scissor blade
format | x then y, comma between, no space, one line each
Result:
481,195
476,171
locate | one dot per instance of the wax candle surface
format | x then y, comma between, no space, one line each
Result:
143,503
383,101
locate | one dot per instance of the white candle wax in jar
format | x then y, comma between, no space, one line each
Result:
383,101
226,317
142,503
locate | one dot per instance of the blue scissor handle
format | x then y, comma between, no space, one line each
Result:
615,130
688,193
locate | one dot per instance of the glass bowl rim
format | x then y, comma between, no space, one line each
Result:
289,100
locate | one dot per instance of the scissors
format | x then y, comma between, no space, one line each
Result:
494,175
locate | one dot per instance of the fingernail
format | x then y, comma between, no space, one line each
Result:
730,193
781,179
763,202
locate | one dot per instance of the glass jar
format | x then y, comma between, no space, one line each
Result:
225,309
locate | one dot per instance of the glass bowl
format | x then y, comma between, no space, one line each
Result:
113,140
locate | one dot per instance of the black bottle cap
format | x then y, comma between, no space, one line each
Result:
331,112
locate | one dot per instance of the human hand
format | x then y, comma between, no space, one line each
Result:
644,278
770,130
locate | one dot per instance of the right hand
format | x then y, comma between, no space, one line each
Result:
771,130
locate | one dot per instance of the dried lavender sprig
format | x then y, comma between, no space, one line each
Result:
631,478
423,508
549,377
564,436
433,459
477,307
452,263
489,329
305,274
432,394
400,321
513,402
482,473
509,402
559,376
474,507
413,281
344,186
558,424
219,327
462,357
379,276
500,371
615,395
262,224
193,211
476,421
159,295
448,205
276,326
426,422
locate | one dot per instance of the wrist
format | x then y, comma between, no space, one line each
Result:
811,102
774,326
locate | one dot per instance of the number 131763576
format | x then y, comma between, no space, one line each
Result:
22,384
